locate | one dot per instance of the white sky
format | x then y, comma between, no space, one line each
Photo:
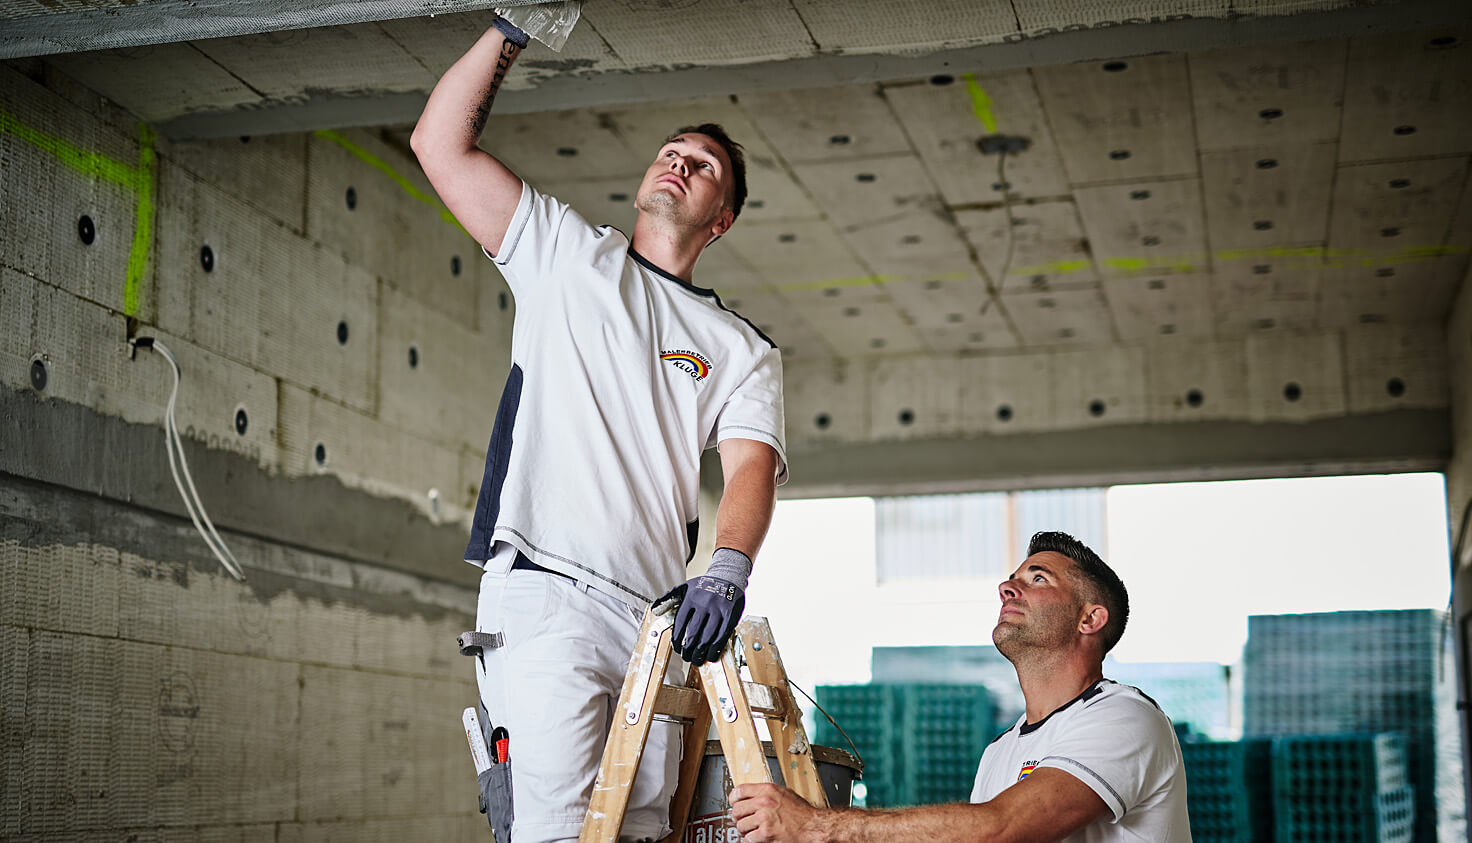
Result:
1198,558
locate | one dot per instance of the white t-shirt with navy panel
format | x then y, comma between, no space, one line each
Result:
622,374
1117,741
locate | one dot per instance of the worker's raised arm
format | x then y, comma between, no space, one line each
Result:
479,190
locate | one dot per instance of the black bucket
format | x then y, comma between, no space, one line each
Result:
710,814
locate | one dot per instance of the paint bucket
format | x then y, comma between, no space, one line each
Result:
710,813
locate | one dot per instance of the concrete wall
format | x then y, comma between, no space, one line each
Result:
1459,355
144,694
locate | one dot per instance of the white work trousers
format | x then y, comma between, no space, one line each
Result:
554,685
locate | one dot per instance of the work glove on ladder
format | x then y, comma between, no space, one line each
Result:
709,606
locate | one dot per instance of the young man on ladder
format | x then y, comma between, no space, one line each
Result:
623,372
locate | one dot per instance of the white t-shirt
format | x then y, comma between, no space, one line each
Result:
621,375
1117,741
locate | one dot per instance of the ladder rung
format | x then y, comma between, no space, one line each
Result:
684,703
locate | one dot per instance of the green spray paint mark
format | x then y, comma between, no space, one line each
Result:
1311,252
384,167
83,161
932,276
138,180
1175,263
1052,268
981,104
143,220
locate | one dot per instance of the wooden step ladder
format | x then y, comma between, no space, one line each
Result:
715,692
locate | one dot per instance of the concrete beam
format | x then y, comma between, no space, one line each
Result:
76,447
1403,440
603,88
42,516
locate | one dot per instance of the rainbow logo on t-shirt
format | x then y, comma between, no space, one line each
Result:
1026,771
690,362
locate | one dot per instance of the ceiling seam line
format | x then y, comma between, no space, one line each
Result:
607,45
397,43
1429,156
1451,222
1028,201
232,74
1200,190
791,4
1323,279
1016,18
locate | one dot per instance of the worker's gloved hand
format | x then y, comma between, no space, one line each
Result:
709,606
549,23
513,33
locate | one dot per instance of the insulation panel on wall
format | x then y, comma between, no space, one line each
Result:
369,203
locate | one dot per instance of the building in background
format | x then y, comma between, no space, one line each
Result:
1196,695
978,535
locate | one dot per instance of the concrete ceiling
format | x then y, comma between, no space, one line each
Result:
1203,168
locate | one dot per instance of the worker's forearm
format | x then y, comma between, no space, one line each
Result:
745,511
457,109
939,823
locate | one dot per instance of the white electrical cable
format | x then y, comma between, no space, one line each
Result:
172,442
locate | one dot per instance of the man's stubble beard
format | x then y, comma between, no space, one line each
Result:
1041,635
662,205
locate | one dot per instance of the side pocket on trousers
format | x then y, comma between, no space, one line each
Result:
495,796
495,785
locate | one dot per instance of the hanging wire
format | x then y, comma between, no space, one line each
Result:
1007,221
850,740
173,443
1007,211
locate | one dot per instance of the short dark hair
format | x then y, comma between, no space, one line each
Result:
1104,585
733,152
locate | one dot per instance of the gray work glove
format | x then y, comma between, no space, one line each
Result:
709,606
513,33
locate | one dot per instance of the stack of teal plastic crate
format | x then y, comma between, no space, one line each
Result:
1342,788
1343,672
1228,791
920,742
1346,788
946,728
870,715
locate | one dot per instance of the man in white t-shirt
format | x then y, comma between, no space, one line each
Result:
623,372
1090,761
